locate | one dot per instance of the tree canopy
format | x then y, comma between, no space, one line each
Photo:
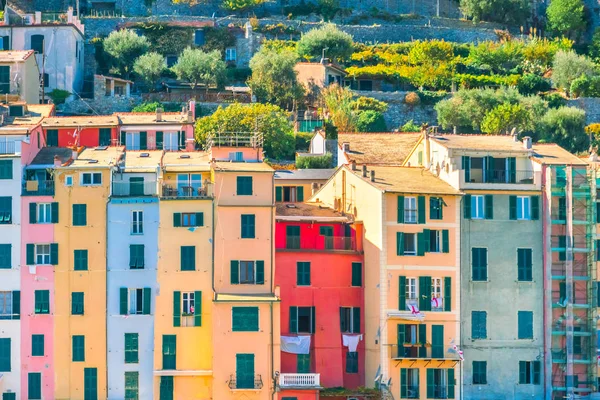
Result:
199,67
124,47
566,17
338,44
513,12
149,67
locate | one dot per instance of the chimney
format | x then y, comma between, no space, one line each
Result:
159,112
248,32
364,171
346,147
70,15
74,154
372,176
38,18
353,165
192,107
314,187
527,143
190,117
57,162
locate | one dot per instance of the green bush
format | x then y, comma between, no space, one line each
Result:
410,126
314,162
303,140
364,103
59,96
124,46
555,100
468,81
512,12
370,121
429,97
152,106
497,57
585,86
532,84
240,5
565,126
504,118
568,66
238,74
566,17
430,52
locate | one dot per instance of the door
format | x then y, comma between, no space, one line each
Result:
244,371
4,79
52,138
327,232
292,237
136,186
437,341
183,185
104,137
166,388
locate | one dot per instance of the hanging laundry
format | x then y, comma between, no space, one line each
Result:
436,302
295,344
413,309
351,341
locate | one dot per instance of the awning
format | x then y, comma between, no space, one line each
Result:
405,315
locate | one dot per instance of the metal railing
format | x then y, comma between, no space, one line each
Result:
8,147
172,190
234,139
500,176
299,380
251,382
320,242
133,189
37,188
416,350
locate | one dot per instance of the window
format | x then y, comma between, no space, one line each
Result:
436,294
68,180
523,207
189,185
529,372
5,356
479,372
90,384
136,300
248,226
5,42
42,302
169,352
477,207
79,214
303,363
5,210
10,305
187,303
137,222
244,319
170,141
244,186
248,272
302,319
37,345
412,296
104,135
303,273
44,213
132,382
52,138
237,156
436,208
440,383
34,385
357,274
410,210
91,178
133,140
479,264
5,79
5,256
525,324
77,303
435,241
351,362
409,383
188,258
131,348
37,43
408,245
292,237
188,219
350,319
524,265
166,388
6,166
199,37
478,325
136,256
42,254
230,54
78,348
81,260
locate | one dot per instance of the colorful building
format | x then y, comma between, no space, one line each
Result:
20,75
88,131
300,184
320,275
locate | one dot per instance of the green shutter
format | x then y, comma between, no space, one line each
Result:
200,219
430,383
466,166
422,340
176,219
169,352
244,371
37,345
146,304
447,294
300,193
143,140
123,301
437,341
90,384
400,243
188,258
400,209
467,206
197,308
176,308
512,207
356,320
357,274
401,337
302,364
244,319
54,212
77,303
426,240
34,385
123,138
420,244
166,388
235,272
403,383
401,293
159,140
16,304
425,293
522,372
489,206
451,383
313,319
32,213
536,372
5,355
525,324
53,253
421,209
78,348
489,169
293,319
30,254
260,272
445,241
278,193
512,173
535,207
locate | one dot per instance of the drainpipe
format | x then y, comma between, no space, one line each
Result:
106,268
272,290
272,356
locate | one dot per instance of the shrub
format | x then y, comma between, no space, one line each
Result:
568,66
59,96
339,103
370,121
314,162
430,52
539,53
504,118
152,106
364,103
585,86
412,99
555,100
498,57
240,5
566,17
303,140
468,81
565,126
430,97
338,43
532,84
514,12
410,126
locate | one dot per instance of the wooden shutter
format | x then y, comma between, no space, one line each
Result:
278,193
401,335
54,212
424,293
32,213
260,272
16,304
522,372
197,308
451,383
176,220
535,207
293,319
512,207
421,209
426,240
467,206
401,293
466,166
400,209
300,193
423,340
489,206
536,372
177,308
356,320
30,254
512,173
123,138
489,169
403,383
53,253
447,294
430,383
445,241
123,301
146,305
313,319
200,219
420,244
159,140
235,272
357,274
143,140
437,341
400,243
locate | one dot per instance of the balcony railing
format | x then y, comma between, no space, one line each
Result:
250,382
8,147
413,351
299,380
500,176
171,190
134,189
319,242
38,188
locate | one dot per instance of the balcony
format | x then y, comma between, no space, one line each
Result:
502,178
37,188
319,243
299,381
174,191
134,189
415,351
250,382
8,147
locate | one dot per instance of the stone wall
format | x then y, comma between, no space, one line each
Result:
591,106
101,106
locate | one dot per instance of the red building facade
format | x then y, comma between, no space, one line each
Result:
320,273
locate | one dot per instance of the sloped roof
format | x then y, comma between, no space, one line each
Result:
9,56
46,155
92,120
150,118
389,148
306,210
304,174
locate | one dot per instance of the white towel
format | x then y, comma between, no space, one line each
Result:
351,341
295,344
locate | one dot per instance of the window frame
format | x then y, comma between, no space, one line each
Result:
42,301
310,321
477,206
137,222
415,244
409,211
303,274
523,208
6,305
412,296
131,347
484,332
248,263
230,54
38,253
37,345
139,292
92,178
47,213
437,289
479,377
436,245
